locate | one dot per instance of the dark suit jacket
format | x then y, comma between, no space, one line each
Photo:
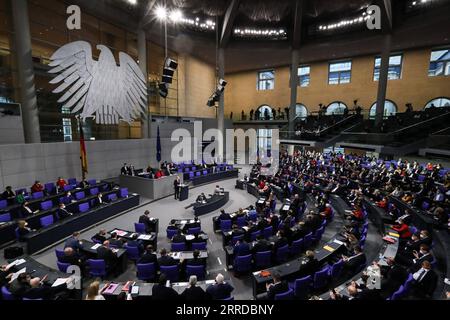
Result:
107,255
309,268
220,291
194,294
426,286
148,258
44,292
355,262
178,238
116,243
161,292
224,216
167,261
73,243
262,245
241,249
63,213
145,220
280,287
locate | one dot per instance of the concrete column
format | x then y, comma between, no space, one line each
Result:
221,110
142,53
383,80
293,86
22,41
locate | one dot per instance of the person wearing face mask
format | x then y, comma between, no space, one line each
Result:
424,254
63,212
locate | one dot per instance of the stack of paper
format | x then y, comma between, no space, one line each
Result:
145,237
96,246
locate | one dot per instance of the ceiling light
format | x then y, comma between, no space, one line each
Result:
161,12
176,15
133,2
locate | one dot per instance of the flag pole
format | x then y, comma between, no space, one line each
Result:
83,155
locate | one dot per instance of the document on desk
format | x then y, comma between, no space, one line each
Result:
16,275
59,282
145,237
183,221
286,207
328,248
96,246
135,290
210,281
17,262
338,242
392,234
110,288
190,237
120,233
245,228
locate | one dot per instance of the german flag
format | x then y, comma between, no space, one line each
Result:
83,156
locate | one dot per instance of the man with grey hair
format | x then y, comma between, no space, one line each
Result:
220,290
40,290
193,293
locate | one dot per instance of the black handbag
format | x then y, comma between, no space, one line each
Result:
12,252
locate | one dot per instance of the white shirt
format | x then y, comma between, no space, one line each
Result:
419,273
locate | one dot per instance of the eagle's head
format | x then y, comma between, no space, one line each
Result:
106,55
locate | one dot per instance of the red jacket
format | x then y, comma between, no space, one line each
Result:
403,230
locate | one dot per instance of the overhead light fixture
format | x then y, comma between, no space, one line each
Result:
176,15
161,12
133,2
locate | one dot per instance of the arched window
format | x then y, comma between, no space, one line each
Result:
336,108
390,109
438,103
301,111
265,113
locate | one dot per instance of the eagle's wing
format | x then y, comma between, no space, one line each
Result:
132,88
74,65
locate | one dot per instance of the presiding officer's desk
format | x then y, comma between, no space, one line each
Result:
146,239
89,249
150,188
290,269
145,289
37,269
212,204
183,255
58,231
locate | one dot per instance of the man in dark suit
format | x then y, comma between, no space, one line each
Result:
276,287
149,224
40,290
124,169
63,212
179,237
353,263
104,252
419,257
241,248
100,236
201,198
393,275
148,256
74,242
99,200
165,260
194,293
224,215
161,292
261,245
220,289
310,265
280,242
425,281
71,257
115,241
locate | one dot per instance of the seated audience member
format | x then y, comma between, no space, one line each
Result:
39,289
74,242
26,211
104,252
124,169
383,204
149,256
37,187
83,184
20,197
420,256
352,264
114,241
425,281
145,219
159,174
70,256
22,229
326,213
100,236
217,190
195,261
241,248
20,285
310,265
179,237
60,183
68,198
161,291
9,195
201,198
194,292
220,289
165,259
261,245
224,216
93,292
403,229
4,275
99,200
281,240
278,286
392,277
63,212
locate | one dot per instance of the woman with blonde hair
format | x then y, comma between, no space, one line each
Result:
93,291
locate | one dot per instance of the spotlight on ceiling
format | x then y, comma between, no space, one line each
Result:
133,2
161,12
176,15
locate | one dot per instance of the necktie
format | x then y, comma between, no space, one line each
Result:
421,275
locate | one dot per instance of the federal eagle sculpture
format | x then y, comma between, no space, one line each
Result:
99,89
